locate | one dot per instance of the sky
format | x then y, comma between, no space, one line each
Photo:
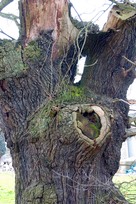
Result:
92,10
9,26
89,10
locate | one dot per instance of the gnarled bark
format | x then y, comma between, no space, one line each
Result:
65,139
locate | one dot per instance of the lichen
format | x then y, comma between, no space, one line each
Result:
40,121
11,63
34,192
39,191
32,51
49,194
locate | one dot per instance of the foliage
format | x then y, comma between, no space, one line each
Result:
7,194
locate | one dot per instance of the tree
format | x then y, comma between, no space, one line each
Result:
2,145
65,138
12,18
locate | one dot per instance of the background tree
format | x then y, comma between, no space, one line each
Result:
9,13
65,138
2,145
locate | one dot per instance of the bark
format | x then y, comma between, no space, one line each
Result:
65,139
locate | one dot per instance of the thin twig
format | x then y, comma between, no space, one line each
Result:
91,65
120,100
133,63
11,17
76,11
4,3
1,31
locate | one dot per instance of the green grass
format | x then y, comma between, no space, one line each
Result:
7,180
127,185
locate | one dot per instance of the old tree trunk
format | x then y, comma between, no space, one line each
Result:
65,139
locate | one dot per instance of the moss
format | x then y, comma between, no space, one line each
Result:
46,114
32,51
70,94
11,63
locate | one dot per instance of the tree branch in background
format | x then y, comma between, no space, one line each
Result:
125,1
4,3
132,119
11,17
131,132
1,31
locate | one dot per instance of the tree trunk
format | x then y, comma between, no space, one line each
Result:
65,139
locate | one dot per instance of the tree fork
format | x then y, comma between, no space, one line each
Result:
44,16
65,140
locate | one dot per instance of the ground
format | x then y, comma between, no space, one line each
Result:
7,188
127,184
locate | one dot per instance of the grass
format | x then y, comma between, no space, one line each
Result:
127,185
7,180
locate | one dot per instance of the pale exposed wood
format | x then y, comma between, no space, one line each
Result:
119,14
45,16
113,21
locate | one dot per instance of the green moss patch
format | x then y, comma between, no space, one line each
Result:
70,94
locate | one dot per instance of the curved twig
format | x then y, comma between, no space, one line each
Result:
1,31
11,17
4,3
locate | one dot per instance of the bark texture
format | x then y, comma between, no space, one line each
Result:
65,139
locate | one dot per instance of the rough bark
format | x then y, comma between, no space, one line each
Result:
64,139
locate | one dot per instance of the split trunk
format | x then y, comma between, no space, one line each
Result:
65,138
